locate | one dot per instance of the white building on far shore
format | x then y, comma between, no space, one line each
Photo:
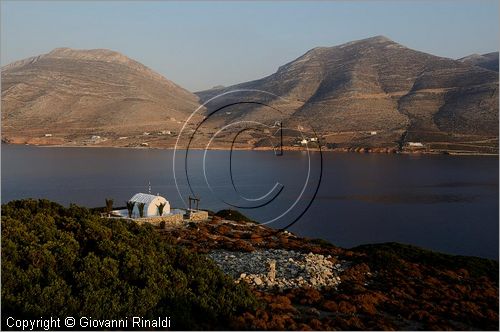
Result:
415,144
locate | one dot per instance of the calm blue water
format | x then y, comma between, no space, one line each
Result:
445,203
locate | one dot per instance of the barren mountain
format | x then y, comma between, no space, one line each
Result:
67,96
488,60
367,94
377,93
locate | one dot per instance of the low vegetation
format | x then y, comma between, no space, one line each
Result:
387,286
233,215
389,255
60,262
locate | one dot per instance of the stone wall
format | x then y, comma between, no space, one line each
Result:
198,215
173,218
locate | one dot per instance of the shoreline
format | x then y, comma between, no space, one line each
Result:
360,150
256,226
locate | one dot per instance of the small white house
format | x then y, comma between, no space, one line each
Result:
151,204
415,144
373,133
304,141
48,135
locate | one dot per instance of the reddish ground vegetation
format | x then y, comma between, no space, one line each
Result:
388,286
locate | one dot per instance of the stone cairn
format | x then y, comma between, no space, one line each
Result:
282,269
271,275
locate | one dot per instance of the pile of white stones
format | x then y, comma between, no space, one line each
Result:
282,269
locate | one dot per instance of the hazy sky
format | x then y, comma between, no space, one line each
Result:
202,44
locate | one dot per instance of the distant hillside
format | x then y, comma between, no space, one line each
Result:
351,91
372,93
76,94
488,61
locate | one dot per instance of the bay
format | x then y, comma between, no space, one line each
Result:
440,202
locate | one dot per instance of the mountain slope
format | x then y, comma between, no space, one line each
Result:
487,61
371,93
75,94
347,92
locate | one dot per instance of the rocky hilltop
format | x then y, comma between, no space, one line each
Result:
377,93
88,96
488,60
230,273
310,284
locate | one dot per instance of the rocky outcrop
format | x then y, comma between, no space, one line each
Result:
382,287
280,269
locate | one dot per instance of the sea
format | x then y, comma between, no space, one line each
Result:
444,203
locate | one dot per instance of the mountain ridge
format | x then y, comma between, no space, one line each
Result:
378,85
369,93
72,95
487,60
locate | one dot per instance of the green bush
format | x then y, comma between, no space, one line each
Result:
130,208
160,207
60,262
109,205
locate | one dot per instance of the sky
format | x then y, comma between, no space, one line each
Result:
199,45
